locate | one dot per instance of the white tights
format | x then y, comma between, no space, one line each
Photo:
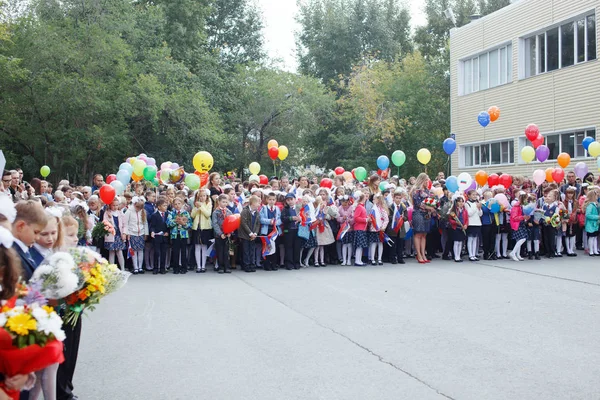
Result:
358,255
570,242
119,253
559,247
201,253
320,253
504,237
376,247
138,259
310,253
517,249
347,253
593,245
45,383
472,246
457,249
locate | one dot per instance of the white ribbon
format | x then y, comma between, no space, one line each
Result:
6,237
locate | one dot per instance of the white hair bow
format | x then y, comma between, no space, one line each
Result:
7,208
6,238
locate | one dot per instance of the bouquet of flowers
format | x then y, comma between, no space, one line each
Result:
99,279
102,229
454,217
554,220
538,215
58,276
564,215
431,201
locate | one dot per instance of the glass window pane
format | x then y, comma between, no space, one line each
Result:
502,76
591,133
494,74
581,40
511,151
530,55
485,154
509,60
591,39
475,67
496,153
567,43
553,143
568,143
483,72
476,158
542,44
468,83
505,157
579,150
552,51
468,151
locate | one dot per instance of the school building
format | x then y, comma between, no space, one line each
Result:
537,61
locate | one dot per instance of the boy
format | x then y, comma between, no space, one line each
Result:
221,246
159,233
269,216
249,228
179,221
292,242
395,229
31,219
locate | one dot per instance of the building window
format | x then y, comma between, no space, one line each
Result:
567,44
482,154
486,70
569,142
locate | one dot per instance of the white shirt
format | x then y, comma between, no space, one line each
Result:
22,245
42,250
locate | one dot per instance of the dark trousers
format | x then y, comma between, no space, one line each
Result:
448,249
248,254
179,249
433,241
222,250
488,235
66,370
292,244
397,250
549,236
159,243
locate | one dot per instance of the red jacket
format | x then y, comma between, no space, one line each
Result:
360,218
516,216
465,215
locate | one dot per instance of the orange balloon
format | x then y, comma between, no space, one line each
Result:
563,159
136,178
272,143
549,172
481,177
494,113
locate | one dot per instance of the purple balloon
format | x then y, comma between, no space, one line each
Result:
472,187
174,166
151,161
581,169
542,153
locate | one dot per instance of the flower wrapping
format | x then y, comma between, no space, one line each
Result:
58,276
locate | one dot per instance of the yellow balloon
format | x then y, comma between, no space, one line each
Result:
347,176
424,156
138,167
254,168
528,154
203,161
272,143
132,160
283,152
594,149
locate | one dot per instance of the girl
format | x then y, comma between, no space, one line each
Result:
591,221
421,216
79,211
136,229
202,231
377,223
325,213
517,224
360,226
374,189
346,216
459,223
570,226
473,207
550,208
504,229
534,234
581,216
115,244
70,227
311,242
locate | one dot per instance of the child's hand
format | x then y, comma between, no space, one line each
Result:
123,236
197,204
152,235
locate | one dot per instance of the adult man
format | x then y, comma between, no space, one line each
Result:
98,182
571,181
6,180
440,176
16,189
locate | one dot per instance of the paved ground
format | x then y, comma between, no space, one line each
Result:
494,330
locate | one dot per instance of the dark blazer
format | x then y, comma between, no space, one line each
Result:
28,266
246,226
157,224
36,255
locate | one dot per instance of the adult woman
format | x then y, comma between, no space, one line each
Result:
421,216
374,182
214,182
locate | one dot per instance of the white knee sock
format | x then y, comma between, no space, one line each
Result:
310,253
558,244
358,255
591,245
380,251
197,252
457,249
536,246
504,244
372,247
121,259
498,253
572,242
140,259
470,249
529,246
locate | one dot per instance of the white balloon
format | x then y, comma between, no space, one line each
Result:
464,181
118,186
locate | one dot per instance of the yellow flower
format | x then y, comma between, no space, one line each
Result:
48,309
21,324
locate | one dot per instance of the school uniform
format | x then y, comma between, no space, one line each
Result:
221,246
268,214
28,263
398,233
292,242
488,232
250,223
179,238
158,226
549,232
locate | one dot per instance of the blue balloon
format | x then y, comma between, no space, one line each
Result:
383,162
495,208
449,146
126,167
123,177
586,142
452,184
483,118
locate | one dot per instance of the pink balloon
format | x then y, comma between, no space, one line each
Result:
502,199
174,166
151,161
539,176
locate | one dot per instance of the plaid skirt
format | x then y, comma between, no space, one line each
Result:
520,233
360,239
117,245
137,243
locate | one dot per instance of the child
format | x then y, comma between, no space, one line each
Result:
377,225
360,227
233,240
136,229
346,216
292,242
150,208
29,222
534,234
70,227
570,226
591,221
79,211
115,244
504,229
222,249
488,228
159,232
550,208
517,224
395,229
179,221
249,229
459,223
473,207
325,213
202,231
270,216
49,240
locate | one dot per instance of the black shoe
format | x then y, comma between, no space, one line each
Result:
493,257
297,267
530,255
198,271
394,261
323,265
163,272
227,271
401,261
135,272
289,268
447,258
176,272
155,272
316,265
203,270
458,260
141,271
373,263
537,256
435,256
183,271
380,263
275,269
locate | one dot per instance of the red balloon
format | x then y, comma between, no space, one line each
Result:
429,184
558,175
532,132
231,223
339,171
326,183
263,180
110,178
538,141
107,194
353,176
273,153
493,180
505,180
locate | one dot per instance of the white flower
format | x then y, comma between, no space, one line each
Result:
2,319
15,311
39,313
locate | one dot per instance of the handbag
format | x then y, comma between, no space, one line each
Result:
303,232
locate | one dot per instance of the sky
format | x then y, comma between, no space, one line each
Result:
280,25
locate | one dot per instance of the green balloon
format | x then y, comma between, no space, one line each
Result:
360,173
398,158
192,181
383,186
150,173
45,171
155,182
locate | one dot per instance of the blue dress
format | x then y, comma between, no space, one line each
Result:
421,221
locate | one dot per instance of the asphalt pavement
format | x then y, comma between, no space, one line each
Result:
489,330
